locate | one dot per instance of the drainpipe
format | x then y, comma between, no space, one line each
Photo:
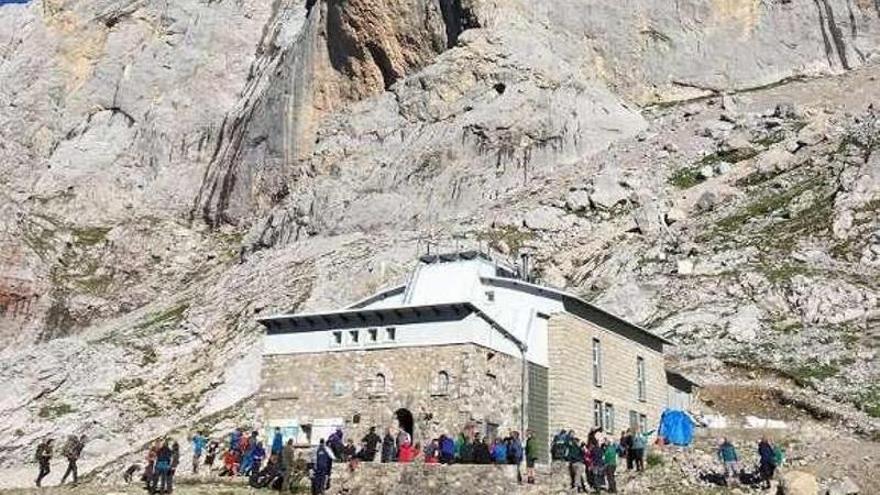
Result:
522,349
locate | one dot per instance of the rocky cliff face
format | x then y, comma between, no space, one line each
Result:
168,171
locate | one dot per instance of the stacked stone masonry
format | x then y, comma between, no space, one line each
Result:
484,388
572,389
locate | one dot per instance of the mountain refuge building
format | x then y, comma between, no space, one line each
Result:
466,341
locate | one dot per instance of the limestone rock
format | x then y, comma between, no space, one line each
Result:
544,218
577,201
744,325
845,486
607,191
798,483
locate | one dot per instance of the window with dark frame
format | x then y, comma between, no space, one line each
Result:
597,363
640,378
598,414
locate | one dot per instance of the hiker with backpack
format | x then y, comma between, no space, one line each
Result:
515,454
610,452
43,456
767,463
72,451
161,479
727,455
198,443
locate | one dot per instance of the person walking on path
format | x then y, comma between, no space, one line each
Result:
44,458
610,458
323,466
72,451
175,461
198,442
767,466
727,455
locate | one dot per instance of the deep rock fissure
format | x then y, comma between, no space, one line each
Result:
836,35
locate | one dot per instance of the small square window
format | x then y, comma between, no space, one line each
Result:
490,295
337,338
391,334
354,336
373,334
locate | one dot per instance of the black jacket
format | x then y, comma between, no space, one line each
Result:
481,453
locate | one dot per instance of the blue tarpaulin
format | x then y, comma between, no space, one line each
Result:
676,427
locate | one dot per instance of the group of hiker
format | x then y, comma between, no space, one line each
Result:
770,457
71,451
592,464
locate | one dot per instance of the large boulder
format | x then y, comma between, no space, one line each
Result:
799,483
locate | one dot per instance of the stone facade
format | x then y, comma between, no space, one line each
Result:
572,388
484,388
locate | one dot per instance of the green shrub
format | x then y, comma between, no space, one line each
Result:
654,460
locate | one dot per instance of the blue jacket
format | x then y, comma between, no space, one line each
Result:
198,445
516,450
499,453
727,452
447,447
765,451
323,462
277,443
234,438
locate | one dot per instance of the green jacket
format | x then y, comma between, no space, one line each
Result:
610,454
531,449
727,452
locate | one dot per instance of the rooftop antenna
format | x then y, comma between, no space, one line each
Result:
526,269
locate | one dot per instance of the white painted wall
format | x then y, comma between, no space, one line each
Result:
447,282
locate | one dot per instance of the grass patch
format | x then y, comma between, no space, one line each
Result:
784,272
810,219
149,405
169,317
808,374
686,177
96,285
869,401
90,236
148,354
735,155
788,327
654,460
55,410
127,384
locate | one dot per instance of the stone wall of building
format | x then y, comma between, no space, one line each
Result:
431,479
571,376
484,388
